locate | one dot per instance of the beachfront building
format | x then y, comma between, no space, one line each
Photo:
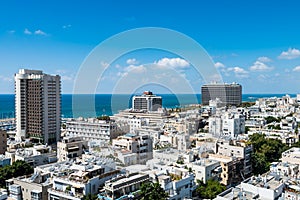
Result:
147,102
228,94
38,106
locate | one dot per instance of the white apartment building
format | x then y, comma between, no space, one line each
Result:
73,180
177,182
34,156
70,148
33,187
92,129
141,145
132,123
206,169
291,156
228,125
236,149
124,186
38,106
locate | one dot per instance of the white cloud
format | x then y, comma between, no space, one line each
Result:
66,26
219,65
132,61
291,53
172,62
104,64
6,79
239,72
264,59
135,68
27,32
296,69
260,66
67,78
39,32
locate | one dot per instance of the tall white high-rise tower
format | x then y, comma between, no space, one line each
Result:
38,106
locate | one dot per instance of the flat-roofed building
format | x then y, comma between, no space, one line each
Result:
148,102
92,129
70,148
123,186
228,94
138,144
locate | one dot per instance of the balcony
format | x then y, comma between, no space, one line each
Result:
64,194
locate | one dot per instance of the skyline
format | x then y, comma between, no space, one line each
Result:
253,43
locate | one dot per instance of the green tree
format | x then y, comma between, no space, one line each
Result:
265,151
153,191
90,197
18,168
270,119
104,117
209,190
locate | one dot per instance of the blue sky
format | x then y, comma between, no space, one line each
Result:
255,43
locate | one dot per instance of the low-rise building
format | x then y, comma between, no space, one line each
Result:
291,156
124,186
141,145
237,149
179,183
35,156
92,129
73,180
231,169
206,169
227,124
256,187
32,187
70,148
264,187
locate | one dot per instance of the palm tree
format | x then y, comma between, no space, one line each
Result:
153,191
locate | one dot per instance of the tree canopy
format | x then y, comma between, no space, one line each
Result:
270,119
90,197
18,168
104,117
265,151
209,190
153,191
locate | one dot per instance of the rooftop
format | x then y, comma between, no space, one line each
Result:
266,181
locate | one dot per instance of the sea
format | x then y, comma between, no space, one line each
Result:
108,104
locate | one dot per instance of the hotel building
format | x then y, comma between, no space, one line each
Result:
228,94
38,106
147,102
